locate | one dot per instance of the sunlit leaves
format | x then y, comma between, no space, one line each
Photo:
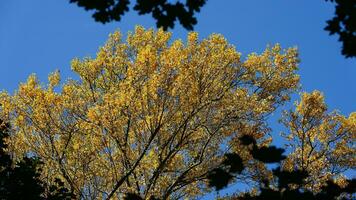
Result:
322,143
149,116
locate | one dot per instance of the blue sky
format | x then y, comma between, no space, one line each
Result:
40,36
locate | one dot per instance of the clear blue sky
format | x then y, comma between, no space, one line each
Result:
39,36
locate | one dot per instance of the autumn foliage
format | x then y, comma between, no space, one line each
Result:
153,117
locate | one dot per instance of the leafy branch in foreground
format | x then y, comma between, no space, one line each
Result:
22,180
163,11
285,184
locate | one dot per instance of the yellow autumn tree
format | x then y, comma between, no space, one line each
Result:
149,116
321,143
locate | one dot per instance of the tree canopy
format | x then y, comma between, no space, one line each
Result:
148,116
153,118
320,149
320,143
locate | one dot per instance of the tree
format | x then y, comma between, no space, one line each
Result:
284,185
148,116
22,180
320,143
164,12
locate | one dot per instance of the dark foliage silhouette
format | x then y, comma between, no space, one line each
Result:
283,180
22,181
105,10
343,24
268,154
220,177
164,12
133,196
